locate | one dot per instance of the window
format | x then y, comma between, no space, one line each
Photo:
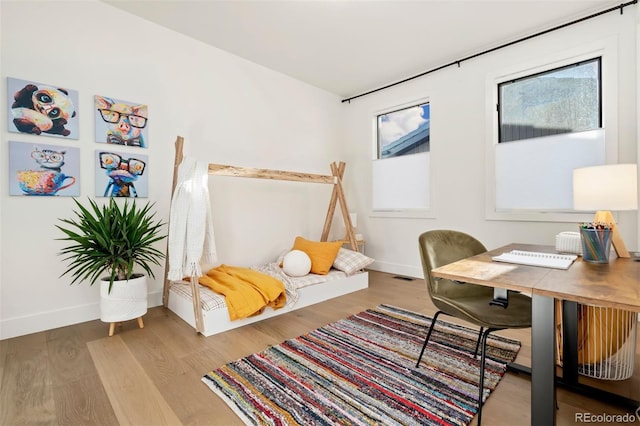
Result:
401,165
404,131
562,100
548,121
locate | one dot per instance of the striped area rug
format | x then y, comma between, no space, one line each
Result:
361,371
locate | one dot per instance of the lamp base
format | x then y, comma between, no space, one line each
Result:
605,216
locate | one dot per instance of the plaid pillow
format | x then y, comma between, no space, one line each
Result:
349,261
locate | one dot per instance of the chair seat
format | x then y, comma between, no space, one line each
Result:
478,311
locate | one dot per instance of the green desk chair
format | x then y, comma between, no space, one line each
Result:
469,302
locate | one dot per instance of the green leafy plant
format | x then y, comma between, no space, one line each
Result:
111,239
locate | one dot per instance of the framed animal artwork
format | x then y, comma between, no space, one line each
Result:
121,122
42,109
121,174
43,170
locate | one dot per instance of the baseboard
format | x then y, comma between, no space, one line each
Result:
395,268
42,321
20,326
155,299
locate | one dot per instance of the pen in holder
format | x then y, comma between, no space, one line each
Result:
596,242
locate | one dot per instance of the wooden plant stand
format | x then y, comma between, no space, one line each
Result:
112,326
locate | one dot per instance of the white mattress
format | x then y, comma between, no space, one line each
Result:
301,292
210,300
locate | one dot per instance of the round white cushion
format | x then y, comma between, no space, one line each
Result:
296,263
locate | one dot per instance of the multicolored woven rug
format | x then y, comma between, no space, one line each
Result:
361,370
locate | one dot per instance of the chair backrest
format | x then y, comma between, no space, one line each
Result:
441,247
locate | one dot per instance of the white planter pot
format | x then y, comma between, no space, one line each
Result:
127,300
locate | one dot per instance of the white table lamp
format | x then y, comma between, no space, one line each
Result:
607,188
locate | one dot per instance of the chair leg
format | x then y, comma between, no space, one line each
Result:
482,364
475,353
426,340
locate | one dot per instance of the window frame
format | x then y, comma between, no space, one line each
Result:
597,59
407,213
607,50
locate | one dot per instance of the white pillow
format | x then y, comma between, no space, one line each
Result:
349,261
296,263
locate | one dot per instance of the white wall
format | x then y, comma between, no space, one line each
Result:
459,144
235,112
229,110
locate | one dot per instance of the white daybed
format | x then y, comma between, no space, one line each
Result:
206,311
301,292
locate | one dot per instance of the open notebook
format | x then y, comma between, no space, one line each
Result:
533,258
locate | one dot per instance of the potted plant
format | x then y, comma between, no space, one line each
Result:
112,239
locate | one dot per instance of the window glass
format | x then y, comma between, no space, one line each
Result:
404,131
562,100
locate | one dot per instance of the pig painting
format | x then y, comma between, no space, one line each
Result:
121,123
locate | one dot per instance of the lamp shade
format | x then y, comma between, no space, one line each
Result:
609,187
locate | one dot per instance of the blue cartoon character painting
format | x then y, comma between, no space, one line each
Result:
123,173
120,122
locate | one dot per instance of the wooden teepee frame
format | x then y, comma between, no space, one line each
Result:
337,196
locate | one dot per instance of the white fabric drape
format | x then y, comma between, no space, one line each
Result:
191,237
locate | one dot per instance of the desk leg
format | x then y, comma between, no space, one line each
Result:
569,342
543,338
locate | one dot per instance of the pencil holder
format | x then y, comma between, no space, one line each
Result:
596,244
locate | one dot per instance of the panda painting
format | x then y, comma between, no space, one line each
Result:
42,109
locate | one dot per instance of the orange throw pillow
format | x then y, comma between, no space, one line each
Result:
322,254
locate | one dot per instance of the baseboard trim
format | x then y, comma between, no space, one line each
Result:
397,269
43,321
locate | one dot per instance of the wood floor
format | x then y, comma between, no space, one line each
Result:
77,375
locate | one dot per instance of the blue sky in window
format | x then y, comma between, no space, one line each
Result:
395,125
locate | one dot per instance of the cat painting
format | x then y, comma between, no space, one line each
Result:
43,170
48,159
121,123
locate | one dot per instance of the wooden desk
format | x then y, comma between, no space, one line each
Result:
615,285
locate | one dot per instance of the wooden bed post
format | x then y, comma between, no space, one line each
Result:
338,196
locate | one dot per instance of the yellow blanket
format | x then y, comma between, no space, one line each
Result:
247,292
